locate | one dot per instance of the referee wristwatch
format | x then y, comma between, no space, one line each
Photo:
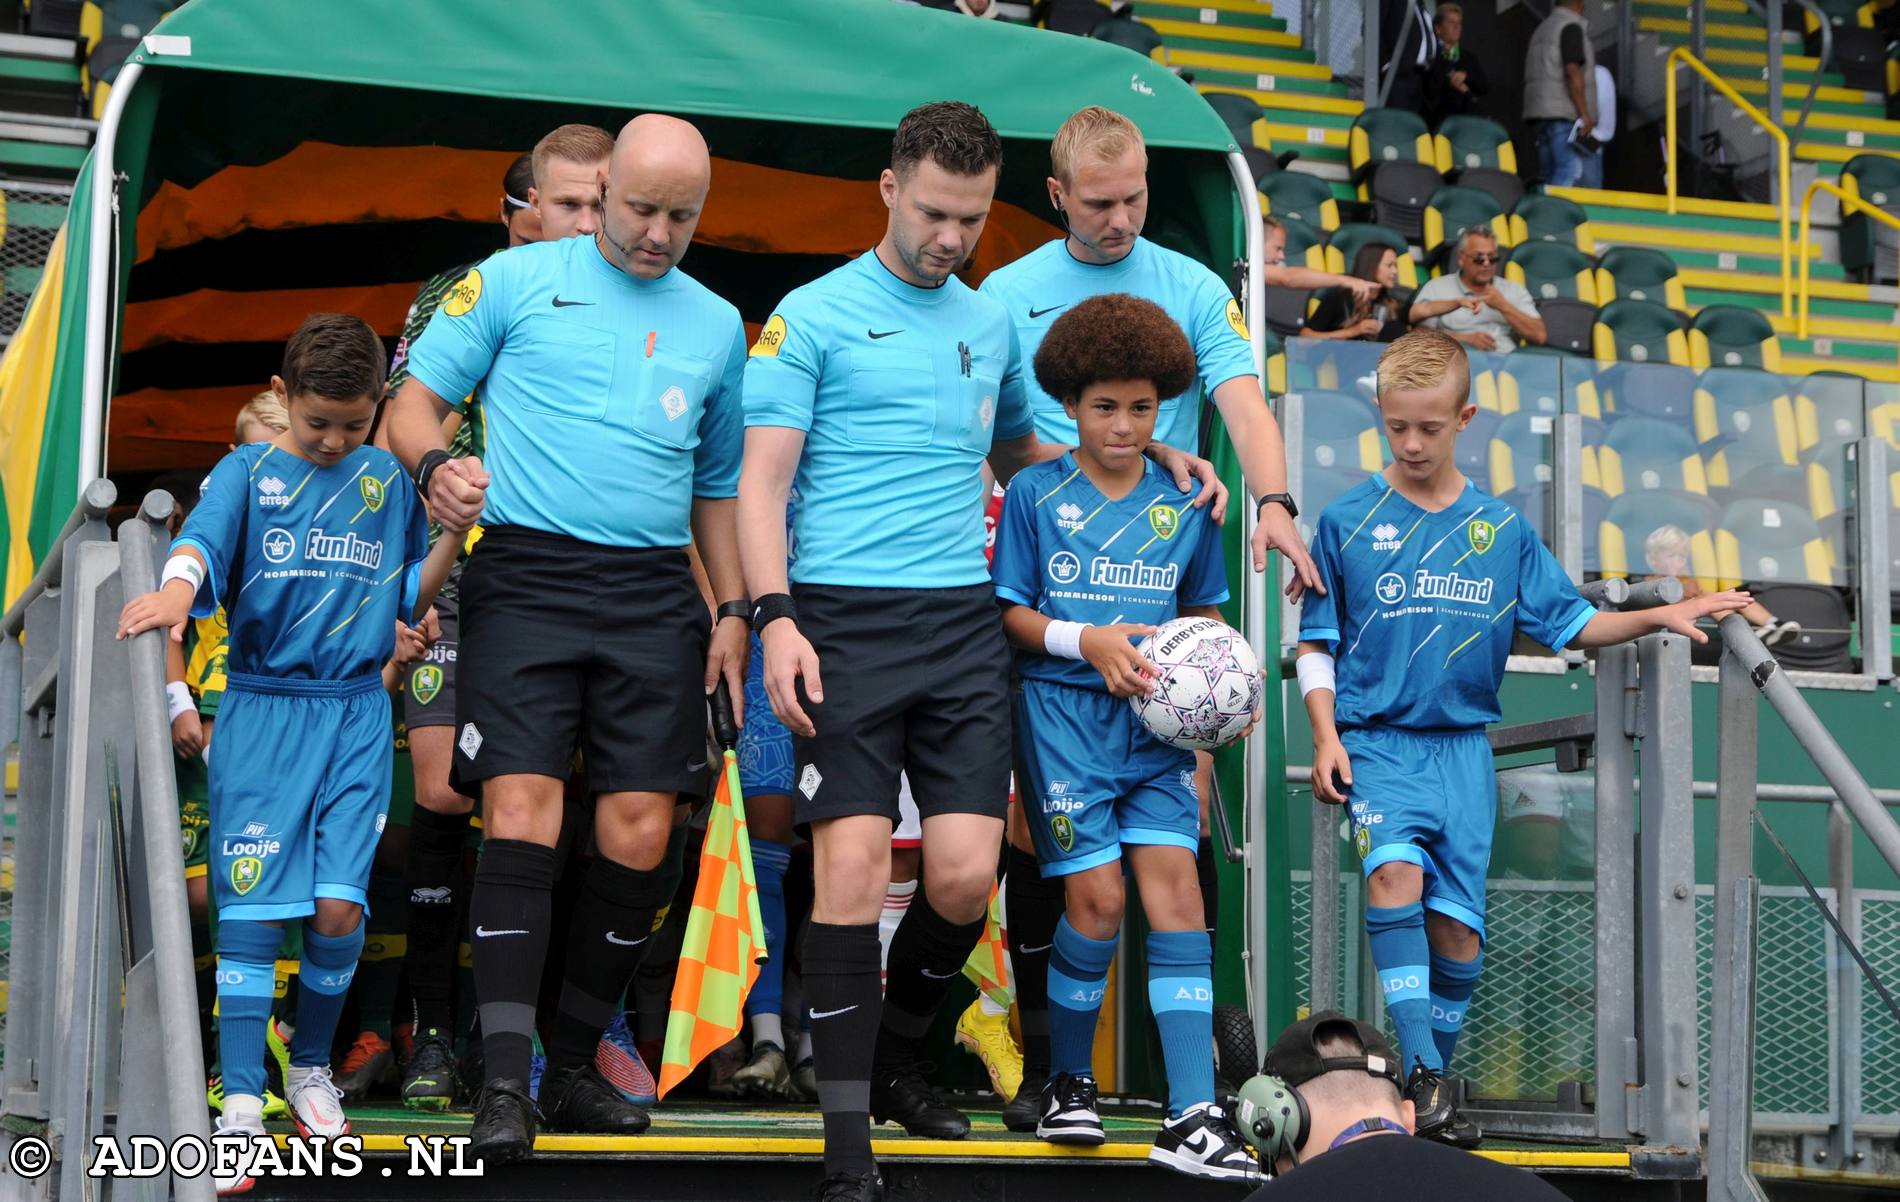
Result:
1284,499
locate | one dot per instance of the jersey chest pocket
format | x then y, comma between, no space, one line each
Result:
572,366
671,398
893,399
976,402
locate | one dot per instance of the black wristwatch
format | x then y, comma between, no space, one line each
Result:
739,608
430,461
1283,498
770,608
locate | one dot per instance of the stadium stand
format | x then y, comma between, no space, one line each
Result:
1551,270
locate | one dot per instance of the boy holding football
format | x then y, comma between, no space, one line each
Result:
1400,661
1093,551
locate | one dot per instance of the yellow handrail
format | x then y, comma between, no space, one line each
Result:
1807,212
1785,152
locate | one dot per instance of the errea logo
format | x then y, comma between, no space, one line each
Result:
1385,537
270,493
1069,516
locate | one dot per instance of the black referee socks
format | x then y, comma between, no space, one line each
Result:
927,953
607,936
841,1000
433,878
511,913
1033,906
1207,868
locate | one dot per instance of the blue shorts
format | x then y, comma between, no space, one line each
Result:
765,746
300,775
1099,780
1430,800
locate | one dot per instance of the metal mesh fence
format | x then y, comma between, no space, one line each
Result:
34,212
1794,1001
1334,32
1879,1032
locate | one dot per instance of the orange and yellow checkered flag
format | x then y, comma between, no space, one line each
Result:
725,939
988,965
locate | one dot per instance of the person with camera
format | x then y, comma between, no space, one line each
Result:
1378,316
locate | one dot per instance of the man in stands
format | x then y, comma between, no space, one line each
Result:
557,206
610,393
1476,307
1279,274
1560,99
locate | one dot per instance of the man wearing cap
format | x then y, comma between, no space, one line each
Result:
1328,1118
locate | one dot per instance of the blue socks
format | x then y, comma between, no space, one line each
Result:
1452,983
1181,994
1078,977
323,981
247,977
769,862
1403,958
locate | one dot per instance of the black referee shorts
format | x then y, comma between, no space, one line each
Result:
916,680
570,644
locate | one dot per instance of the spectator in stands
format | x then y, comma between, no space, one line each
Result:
1560,99
1407,59
1377,317
1666,551
1280,275
1476,307
1455,81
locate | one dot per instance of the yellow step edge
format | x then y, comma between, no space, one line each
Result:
1682,239
1657,203
1823,152
1794,95
1869,125
1759,58
1769,285
1714,6
1215,61
1844,328
1801,365
1252,8
1292,101
1239,35
1714,29
1287,136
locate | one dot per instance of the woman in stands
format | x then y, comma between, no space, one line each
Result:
1376,318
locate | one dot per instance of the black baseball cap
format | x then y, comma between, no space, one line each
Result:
1295,1057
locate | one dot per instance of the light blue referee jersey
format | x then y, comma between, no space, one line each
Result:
1042,285
900,391
313,565
1420,608
609,402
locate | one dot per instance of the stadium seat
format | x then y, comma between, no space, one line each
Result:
1464,142
1134,35
1642,454
1551,270
1472,452
1629,520
1810,486
1300,196
1382,136
1830,412
1275,351
1733,336
1238,111
1340,431
1399,194
1822,645
1521,450
1453,210
1865,243
1345,242
1535,502
1763,540
1319,488
1078,17
1640,332
1287,309
1744,420
1655,390
1305,246
1639,273
1537,381
1541,218
1569,325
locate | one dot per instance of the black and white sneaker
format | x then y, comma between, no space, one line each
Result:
1068,1111
1203,1143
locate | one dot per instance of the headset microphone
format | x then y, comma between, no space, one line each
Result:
1272,1119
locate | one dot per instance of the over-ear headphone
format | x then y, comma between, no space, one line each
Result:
1273,1120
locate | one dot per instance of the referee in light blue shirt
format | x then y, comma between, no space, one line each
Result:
611,397
882,388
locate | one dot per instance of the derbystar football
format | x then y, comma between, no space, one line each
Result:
1209,684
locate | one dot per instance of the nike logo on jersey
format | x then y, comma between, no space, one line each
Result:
1035,313
818,1014
484,933
625,942
1030,951
874,335
568,304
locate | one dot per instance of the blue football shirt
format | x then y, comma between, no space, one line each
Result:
900,391
313,565
1041,286
1420,607
608,402
1065,549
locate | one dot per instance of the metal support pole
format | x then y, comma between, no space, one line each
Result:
1616,1069
1774,62
1323,966
1666,892
1731,1048
1842,1150
1566,525
1291,411
1698,90
1873,574
1369,73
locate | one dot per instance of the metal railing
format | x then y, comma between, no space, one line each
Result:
103,1035
1783,152
1849,203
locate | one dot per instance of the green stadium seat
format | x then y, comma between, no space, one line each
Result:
1552,219
1320,488
1551,270
1305,245
1238,111
1826,629
1287,310
1811,486
1520,452
1744,420
1466,141
1453,210
1536,381
1643,454
1472,452
1382,136
1639,332
1733,336
1626,525
1343,246
1300,196
1639,273
1341,432
1661,391
1535,502
1867,245
1766,539
1400,192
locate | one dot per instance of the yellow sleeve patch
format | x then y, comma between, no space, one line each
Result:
771,338
463,296
1235,320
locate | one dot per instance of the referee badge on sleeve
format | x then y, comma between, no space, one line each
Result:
1235,320
463,296
771,338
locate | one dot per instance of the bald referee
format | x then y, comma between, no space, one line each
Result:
882,387
611,395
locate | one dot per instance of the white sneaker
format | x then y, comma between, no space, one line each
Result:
1069,1114
241,1130
1202,1143
316,1103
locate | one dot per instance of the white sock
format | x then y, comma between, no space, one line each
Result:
242,1109
990,1008
768,1028
896,905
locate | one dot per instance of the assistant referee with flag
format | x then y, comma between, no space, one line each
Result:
611,394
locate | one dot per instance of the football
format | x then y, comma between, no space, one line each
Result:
1209,684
